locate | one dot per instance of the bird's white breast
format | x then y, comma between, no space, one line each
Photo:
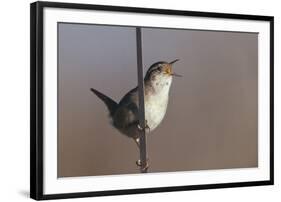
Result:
155,107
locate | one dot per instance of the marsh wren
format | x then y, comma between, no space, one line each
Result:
124,115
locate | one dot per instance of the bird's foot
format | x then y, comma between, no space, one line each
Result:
144,166
146,127
137,141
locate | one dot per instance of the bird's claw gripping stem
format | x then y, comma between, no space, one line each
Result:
146,127
143,167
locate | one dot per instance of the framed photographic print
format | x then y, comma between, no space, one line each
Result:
136,100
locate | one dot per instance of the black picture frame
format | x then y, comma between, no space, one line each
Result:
36,98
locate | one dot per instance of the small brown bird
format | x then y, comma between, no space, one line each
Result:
124,115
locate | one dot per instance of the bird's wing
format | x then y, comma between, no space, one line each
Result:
125,115
131,96
127,112
110,104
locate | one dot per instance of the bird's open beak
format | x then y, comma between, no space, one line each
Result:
174,61
169,69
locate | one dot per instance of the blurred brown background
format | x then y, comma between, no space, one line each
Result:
211,121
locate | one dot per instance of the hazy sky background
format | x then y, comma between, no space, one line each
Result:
211,121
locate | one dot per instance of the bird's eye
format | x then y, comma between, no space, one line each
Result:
158,68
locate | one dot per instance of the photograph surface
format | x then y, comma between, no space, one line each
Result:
201,99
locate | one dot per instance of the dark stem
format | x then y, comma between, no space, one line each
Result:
142,148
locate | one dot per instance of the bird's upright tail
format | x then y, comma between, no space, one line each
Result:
110,104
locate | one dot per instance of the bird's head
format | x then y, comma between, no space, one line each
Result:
160,74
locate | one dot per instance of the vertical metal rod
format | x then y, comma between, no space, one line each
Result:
143,153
